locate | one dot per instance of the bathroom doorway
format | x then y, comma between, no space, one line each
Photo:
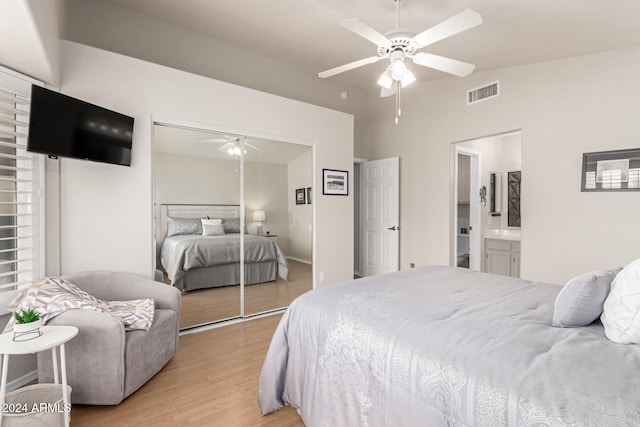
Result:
488,212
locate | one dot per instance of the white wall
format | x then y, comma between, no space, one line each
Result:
196,180
265,187
511,152
106,210
119,29
564,108
300,233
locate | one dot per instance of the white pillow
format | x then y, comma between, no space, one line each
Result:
212,227
621,316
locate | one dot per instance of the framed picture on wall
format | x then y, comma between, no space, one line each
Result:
513,198
335,182
308,195
617,170
300,199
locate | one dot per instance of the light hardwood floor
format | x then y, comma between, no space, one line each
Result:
207,305
212,380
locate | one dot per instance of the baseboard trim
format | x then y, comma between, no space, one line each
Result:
304,261
22,381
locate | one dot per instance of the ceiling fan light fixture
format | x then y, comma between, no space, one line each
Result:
408,79
398,69
385,79
398,44
234,151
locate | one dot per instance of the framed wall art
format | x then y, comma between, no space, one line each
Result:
335,182
617,170
513,198
300,199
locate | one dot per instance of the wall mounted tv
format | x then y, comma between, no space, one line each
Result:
60,125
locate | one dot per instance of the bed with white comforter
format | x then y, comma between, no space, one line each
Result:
441,346
219,257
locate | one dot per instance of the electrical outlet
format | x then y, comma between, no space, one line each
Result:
323,276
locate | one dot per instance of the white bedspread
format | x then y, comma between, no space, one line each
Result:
438,346
185,252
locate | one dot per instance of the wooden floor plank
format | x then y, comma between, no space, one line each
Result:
212,380
207,305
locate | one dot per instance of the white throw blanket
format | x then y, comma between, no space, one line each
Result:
52,296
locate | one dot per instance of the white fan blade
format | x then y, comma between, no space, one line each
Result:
456,24
253,146
212,140
384,92
350,66
221,138
448,65
365,31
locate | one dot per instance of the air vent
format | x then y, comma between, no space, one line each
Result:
483,93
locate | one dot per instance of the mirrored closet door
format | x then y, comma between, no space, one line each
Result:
278,197
229,222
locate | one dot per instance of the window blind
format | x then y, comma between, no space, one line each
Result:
21,228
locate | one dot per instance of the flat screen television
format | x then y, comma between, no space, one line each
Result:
60,125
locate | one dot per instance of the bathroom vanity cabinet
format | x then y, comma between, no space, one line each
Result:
502,257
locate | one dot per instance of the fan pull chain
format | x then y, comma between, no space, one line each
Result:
398,85
398,109
399,99
397,102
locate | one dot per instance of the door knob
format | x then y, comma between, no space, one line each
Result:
393,228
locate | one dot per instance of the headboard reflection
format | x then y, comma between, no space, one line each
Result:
196,211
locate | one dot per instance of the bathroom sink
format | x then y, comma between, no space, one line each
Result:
503,234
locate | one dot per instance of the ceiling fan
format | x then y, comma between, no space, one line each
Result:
231,144
398,44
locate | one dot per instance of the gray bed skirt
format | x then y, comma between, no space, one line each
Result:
225,275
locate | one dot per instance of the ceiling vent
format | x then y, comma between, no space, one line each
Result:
483,93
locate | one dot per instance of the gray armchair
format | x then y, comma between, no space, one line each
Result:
105,364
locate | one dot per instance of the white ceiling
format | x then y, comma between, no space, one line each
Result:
29,38
306,34
196,143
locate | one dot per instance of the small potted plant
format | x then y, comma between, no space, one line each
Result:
27,322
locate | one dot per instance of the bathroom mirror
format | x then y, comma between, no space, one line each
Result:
495,193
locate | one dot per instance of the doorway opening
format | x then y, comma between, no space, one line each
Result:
481,198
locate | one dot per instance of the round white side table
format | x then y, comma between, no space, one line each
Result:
52,338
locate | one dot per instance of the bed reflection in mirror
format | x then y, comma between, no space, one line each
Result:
203,220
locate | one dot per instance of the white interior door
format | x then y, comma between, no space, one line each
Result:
379,216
